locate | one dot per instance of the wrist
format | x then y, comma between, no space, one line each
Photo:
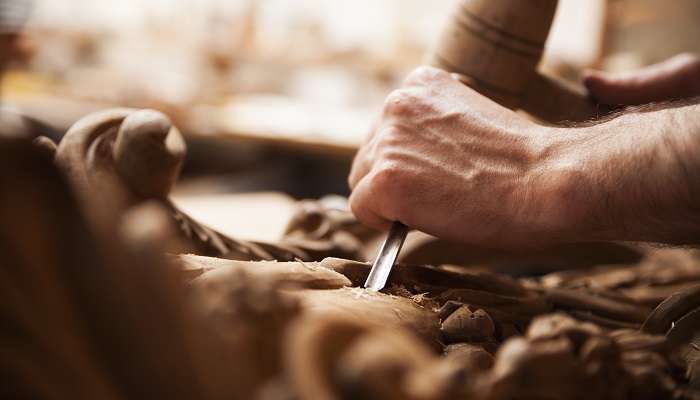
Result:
651,185
562,187
632,178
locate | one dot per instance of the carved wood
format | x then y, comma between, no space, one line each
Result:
102,302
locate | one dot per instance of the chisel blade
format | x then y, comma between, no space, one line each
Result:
387,257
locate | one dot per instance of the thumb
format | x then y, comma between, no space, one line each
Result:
675,78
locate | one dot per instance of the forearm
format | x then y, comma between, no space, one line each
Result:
637,177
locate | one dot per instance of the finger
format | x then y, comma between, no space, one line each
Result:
363,162
676,78
376,122
365,158
364,204
361,165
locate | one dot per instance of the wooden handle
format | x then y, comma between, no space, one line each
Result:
495,46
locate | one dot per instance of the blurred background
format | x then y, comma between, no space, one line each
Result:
275,96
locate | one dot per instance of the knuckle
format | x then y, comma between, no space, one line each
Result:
400,103
387,174
427,74
355,206
390,138
421,73
364,211
358,208
391,185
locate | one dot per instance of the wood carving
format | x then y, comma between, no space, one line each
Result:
119,158
97,310
83,316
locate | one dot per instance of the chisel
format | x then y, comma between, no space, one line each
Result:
387,257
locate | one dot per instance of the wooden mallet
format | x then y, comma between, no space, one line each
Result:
495,47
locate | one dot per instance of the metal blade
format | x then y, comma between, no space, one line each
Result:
386,257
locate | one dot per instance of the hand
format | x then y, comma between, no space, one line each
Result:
673,79
450,162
